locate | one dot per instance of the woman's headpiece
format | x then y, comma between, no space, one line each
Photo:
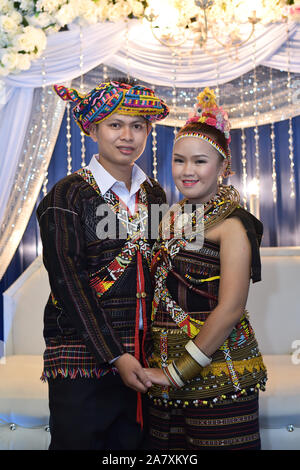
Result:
207,111
111,97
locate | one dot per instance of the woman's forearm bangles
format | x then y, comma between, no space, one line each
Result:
187,367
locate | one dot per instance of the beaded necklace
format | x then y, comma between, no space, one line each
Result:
214,211
103,279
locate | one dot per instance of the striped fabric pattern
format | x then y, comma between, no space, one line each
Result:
83,333
233,425
110,97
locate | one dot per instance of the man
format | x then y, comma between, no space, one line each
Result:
97,316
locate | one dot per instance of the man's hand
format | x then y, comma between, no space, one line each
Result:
132,373
157,377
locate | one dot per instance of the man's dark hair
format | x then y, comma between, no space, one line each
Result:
127,80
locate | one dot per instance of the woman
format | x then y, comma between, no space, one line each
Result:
206,366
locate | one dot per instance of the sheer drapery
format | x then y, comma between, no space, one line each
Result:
281,220
105,43
152,62
26,147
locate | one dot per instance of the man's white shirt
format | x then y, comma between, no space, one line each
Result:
106,181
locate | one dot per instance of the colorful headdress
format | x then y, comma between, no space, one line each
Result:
207,111
111,97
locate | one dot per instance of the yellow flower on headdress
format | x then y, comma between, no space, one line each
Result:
207,98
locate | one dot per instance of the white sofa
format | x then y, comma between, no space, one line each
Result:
24,411
274,312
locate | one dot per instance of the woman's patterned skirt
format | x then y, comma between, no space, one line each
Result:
229,425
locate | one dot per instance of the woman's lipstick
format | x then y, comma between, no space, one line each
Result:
189,183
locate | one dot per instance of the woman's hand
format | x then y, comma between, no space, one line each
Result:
157,377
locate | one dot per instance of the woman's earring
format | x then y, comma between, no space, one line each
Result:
220,179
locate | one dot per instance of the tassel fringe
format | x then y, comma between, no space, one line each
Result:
73,373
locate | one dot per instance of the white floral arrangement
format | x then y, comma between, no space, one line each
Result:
25,24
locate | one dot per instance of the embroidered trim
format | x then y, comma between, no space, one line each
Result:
220,368
112,272
72,373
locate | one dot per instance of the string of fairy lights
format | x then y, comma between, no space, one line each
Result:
290,131
83,163
243,146
173,95
272,137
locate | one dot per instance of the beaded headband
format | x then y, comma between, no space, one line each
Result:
111,97
206,111
206,139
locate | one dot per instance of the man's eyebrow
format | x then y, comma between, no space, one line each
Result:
138,119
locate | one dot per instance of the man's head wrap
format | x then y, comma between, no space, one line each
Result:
113,97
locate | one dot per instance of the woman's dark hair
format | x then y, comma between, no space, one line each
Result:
210,131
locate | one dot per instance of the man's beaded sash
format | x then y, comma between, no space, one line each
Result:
104,279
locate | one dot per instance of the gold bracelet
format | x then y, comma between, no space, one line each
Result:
187,367
197,354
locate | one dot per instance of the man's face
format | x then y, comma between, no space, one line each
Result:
121,139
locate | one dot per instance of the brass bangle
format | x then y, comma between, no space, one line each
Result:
177,371
187,367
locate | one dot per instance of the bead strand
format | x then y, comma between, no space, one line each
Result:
44,125
272,137
243,146
68,135
290,131
83,164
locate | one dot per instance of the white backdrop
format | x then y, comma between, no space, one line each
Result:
106,43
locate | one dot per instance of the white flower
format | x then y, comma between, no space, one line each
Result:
24,61
41,20
10,60
125,9
114,13
87,10
137,8
27,5
31,40
6,7
49,6
66,14
118,11
10,23
102,11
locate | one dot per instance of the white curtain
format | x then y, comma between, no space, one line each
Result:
23,162
143,57
152,62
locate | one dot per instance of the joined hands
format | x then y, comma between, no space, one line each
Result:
136,377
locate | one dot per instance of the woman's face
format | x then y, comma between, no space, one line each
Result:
196,166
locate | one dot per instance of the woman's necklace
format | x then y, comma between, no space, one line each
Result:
181,225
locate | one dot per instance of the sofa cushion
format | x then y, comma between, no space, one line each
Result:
280,403
273,304
23,438
280,439
23,396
